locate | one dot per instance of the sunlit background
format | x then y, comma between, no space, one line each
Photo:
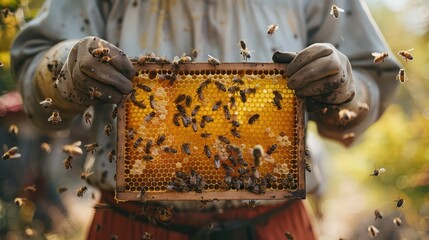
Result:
398,142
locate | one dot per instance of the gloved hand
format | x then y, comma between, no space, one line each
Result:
320,73
95,72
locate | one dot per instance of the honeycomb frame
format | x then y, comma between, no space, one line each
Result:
255,75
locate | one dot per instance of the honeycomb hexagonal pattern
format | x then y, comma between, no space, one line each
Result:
197,131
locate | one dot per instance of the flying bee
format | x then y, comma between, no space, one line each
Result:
188,101
397,221
148,146
271,149
251,204
217,161
377,172
130,133
307,166
20,201
186,148
399,202
232,102
114,113
373,231
245,53
61,189
85,174
108,129
94,93
243,96
92,147
216,105
73,149
253,118
150,116
226,112
46,103
176,119
55,117
402,76
406,55
152,102
160,139
11,153
233,89
335,11
144,87
235,132
88,117
81,191
68,162
111,155
180,98
170,150
220,86
213,61
6,12
379,57
195,111
277,103
13,129
206,135
31,188
378,214
223,139
45,147
137,142
207,151
257,155
194,125
271,29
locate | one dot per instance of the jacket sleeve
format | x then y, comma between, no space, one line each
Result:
356,35
40,49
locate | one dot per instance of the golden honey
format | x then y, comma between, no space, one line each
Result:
152,111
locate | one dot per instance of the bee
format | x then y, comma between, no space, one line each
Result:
194,53
200,93
226,112
235,133
20,201
81,191
100,51
220,86
137,142
253,118
1,64
160,139
233,89
257,155
184,59
61,189
31,188
176,119
105,59
205,83
207,151
130,133
111,155
250,90
373,231
377,172
68,162
243,96
406,55
345,116
397,221
213,61
195,111
146,236
11,153
206,135
144,87
194,124
73,149
232,160
216,105
45,147
271,149
113,236
271,29
245,53
399,202
277,103
114,113
402,76
277,95
217,161
88,116
186,148
152,102
46,103
307,166
150,116
363,106
223,139
181,110
55,117
207,118
85,174
148,157
5,12
171,78
94,93
335,11
379,57
378,214
180,98
186,120
289,236
108,129
92,147
139,104
13,129
232,102
170,150
188,101
237,81
251,204
148,146
235,123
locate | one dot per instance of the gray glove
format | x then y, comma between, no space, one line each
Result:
320,73
95,72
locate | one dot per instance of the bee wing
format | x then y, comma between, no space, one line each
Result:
42,102
340,9
382,170
5,148
51,118
77,143
16,155
376,54
409,50
332,11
